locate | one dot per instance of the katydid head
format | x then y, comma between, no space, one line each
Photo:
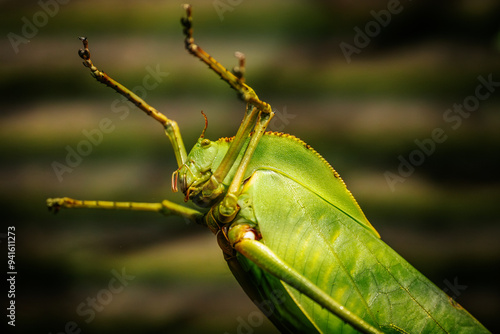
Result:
197,168
192,177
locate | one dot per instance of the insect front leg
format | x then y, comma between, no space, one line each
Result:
165,207
243,237
171,128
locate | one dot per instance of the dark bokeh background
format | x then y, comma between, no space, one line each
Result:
361,116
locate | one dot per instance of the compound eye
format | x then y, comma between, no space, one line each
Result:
205,143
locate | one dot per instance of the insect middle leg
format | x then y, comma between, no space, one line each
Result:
165,207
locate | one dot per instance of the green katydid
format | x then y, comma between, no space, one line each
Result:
290,231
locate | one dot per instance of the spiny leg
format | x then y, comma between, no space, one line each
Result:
171,127
256,109
237,81
165,207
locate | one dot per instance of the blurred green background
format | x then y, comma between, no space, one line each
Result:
360,115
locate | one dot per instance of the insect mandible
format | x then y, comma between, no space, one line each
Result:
293,238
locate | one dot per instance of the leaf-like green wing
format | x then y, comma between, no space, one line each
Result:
347,261
292,157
